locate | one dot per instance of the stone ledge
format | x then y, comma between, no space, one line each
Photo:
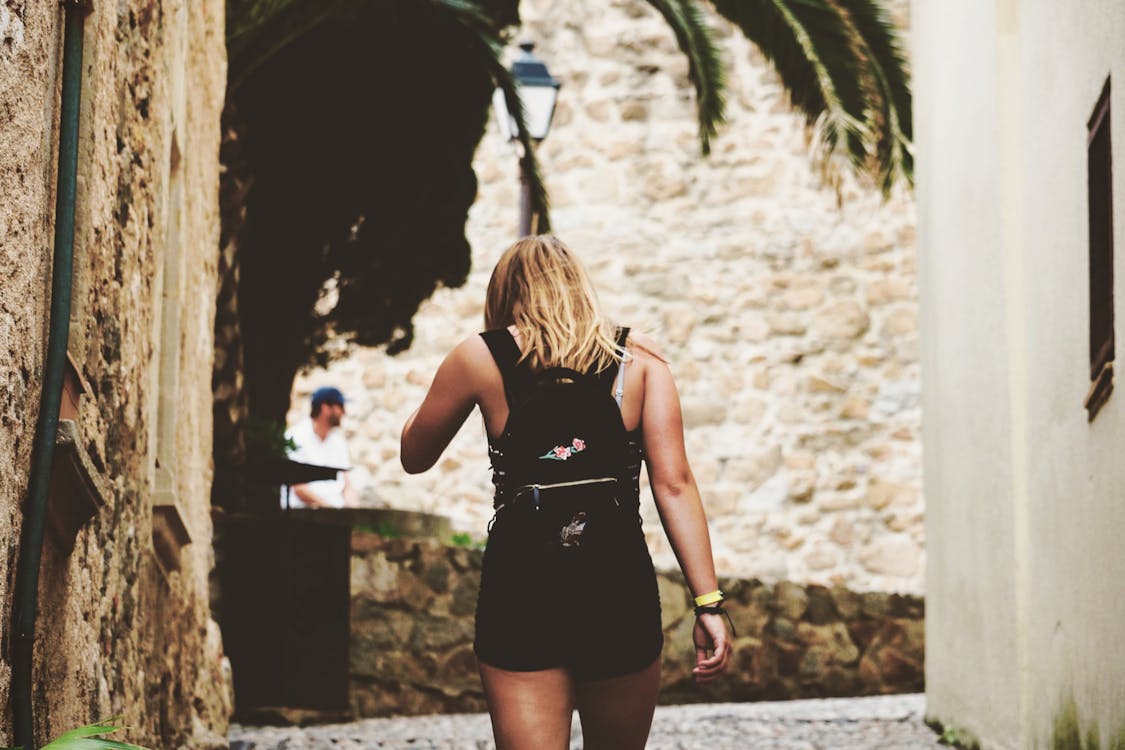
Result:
77,489
413,602
169,532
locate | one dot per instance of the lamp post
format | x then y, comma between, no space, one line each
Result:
537,91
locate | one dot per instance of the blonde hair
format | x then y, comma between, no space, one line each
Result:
540,286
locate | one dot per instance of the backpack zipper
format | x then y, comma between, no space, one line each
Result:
536,487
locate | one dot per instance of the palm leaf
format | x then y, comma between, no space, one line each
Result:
85,738
849,87
705,68
256,30
884,52
482,32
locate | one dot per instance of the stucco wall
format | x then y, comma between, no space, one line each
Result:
1024,514
969,514
117,634
789,322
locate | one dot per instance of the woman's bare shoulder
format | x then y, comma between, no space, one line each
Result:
472,352
644,348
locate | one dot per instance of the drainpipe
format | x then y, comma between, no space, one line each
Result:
43,448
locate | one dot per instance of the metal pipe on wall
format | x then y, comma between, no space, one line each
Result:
25,607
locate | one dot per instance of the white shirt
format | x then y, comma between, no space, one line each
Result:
331,451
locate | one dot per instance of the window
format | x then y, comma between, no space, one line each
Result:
1100,205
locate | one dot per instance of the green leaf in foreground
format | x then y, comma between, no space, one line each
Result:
86,738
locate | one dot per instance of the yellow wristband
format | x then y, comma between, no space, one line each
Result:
704,599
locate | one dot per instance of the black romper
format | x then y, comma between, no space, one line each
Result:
596,613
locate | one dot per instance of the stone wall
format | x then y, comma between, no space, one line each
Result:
789,320
121,630
412,630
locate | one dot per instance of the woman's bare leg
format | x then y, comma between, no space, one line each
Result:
529,710
617,712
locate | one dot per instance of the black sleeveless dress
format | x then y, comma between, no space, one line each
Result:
596,614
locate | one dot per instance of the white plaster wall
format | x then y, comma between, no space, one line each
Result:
1076,557
966,430
1024,515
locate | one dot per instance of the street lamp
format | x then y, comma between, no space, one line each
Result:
537,91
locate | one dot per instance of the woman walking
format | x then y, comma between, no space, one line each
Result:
568,615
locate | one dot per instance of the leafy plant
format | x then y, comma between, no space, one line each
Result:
949,737
464,539
268,436
385,529
86,738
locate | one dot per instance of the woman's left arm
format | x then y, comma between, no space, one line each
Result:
681,510
447,405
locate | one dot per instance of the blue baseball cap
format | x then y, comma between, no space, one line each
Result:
328,394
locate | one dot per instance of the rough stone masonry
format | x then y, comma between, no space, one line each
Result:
120,633
412,631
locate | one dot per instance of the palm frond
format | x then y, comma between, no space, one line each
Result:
883,49
840,64
705,67
476,20
256,30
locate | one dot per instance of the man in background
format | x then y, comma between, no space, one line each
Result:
320,441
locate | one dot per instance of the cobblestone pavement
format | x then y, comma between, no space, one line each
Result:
891,722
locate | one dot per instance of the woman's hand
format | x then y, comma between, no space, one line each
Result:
710,635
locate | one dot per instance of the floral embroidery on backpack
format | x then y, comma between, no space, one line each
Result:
563,452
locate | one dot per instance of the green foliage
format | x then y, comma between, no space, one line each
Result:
259,29
705,68
385,529
268,436
949,736
481,28
355,140
86,738
464,539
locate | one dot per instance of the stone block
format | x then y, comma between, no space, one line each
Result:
673,601
821,608
846,602
802,485
786,324
433,634
900,321
843,320
892,556
790,600
463,601
753,470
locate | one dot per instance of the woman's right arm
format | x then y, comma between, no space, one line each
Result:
448,403
680,507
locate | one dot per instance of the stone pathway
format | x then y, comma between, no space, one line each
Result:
892,722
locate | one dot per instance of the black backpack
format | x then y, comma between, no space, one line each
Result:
562,453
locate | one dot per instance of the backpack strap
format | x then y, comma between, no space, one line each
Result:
616,371
507,355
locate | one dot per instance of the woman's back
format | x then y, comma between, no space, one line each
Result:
490,384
